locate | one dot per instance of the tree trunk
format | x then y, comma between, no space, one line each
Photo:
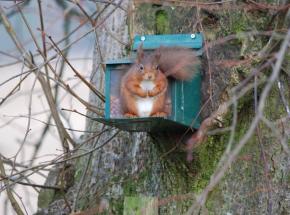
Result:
136,169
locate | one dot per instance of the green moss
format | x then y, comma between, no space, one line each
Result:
216,198
83,203
161,22
232,23
238,22
118,205
146,17
132,186
80,167
274,100
287,57
208,155
78,174
156,19
140,205
241,23
45,197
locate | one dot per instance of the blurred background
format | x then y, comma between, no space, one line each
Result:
33,140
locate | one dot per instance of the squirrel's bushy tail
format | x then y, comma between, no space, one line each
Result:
178,62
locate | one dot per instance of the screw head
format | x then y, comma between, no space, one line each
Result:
142,38
193,36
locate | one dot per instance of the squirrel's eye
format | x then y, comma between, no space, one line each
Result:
157,67
141,67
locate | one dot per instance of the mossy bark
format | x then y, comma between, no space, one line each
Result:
137,164
257,182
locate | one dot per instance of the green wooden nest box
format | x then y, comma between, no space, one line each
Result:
183,96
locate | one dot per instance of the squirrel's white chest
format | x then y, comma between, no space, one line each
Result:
145,105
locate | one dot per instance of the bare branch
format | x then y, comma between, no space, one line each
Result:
13,201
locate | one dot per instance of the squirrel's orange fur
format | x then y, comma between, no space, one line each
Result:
144,86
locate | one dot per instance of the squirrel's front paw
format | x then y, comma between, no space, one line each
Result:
130,115
160,114
151,93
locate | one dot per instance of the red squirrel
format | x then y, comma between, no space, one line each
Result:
144,86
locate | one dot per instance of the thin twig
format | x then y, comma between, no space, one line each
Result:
88,84
64,136
13,201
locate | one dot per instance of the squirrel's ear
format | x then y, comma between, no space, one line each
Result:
140,53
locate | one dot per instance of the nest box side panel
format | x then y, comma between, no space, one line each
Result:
192,106
186,101
108,91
